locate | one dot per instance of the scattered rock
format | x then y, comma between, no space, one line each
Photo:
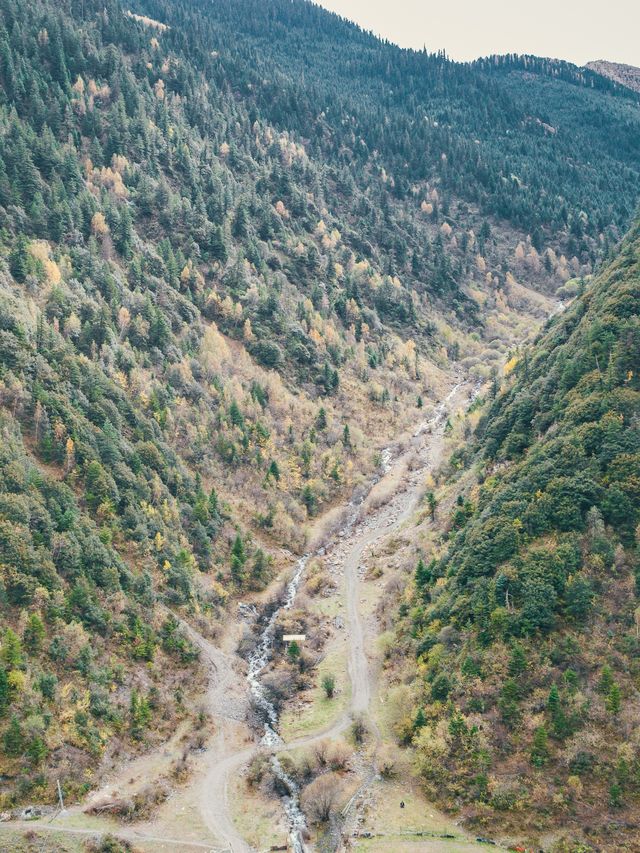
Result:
31,813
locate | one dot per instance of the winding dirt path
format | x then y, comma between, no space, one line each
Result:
226,688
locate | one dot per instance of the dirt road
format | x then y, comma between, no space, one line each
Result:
425,452
226,691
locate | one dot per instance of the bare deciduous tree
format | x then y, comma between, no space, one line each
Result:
321,797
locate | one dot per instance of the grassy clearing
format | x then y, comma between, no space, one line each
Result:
314,712
257,818
394,823
79,820
32,841
330,607
180,817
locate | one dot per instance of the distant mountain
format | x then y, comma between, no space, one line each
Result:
626,75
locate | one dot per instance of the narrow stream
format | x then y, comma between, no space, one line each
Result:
439,412
259,660
262,654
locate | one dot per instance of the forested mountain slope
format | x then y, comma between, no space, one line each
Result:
526,629
240,245
625,75
524,138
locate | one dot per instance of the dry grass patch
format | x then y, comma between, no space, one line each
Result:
258,818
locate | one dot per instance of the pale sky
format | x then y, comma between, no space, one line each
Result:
577,30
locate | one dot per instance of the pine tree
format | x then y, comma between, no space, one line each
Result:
458,728
518,661
540,747
124,232
559,721
11,651
159,331
553,701
45,153
96,484
470,667
614,699
440,687
47,685
240,228
217,246
34,634
606,679
57,58
37,750
235,415
329,685
615,796
213,503
508,702
20,260
432,503
274,470
424,574
13,739
293,651
260,565
238,559
28,179
139,714
309,499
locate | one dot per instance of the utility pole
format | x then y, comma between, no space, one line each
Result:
60,796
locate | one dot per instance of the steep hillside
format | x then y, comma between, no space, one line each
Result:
625,75
241,244
526,627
